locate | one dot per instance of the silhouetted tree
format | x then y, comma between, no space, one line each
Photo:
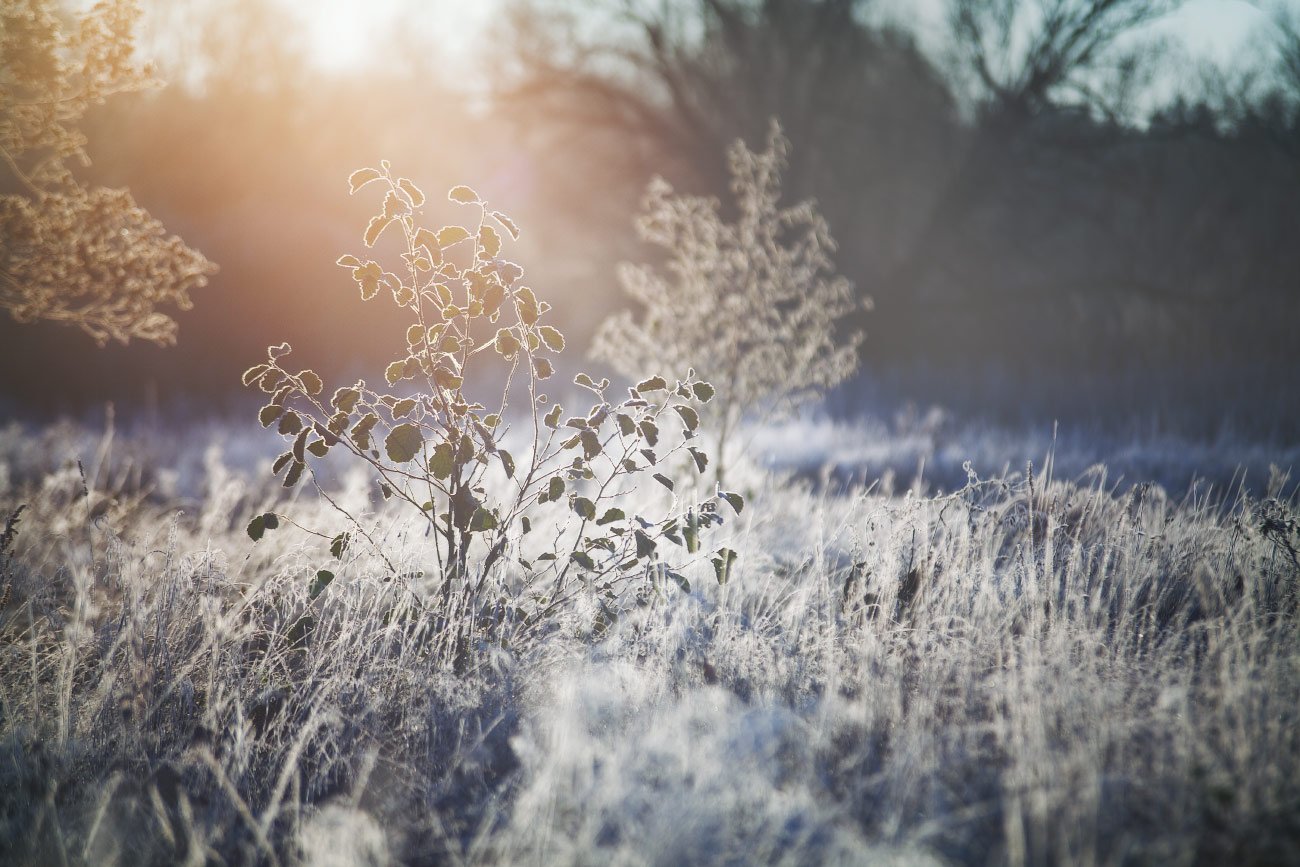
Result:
1025,57
665,88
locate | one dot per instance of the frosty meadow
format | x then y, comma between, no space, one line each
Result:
452,600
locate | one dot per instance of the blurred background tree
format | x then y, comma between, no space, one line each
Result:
72,254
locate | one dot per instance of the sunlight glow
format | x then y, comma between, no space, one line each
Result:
344,34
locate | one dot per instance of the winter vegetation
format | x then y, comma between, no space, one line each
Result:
755,305
85,256
423,614
1029,669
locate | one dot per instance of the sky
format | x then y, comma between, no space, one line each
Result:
342,31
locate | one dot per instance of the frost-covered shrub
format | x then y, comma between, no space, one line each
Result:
433,446
754,305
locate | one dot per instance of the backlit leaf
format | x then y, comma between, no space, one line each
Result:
361,430
345,399
527,302
482,521
701,459
442,461
253,374
552,337
414,193
489,241
368,277
310,381
403,443
299,449
361,177
590,443
507,224
654,383
493,296
393,205
446,379
256,528
429,241
375,228
449,235
292,477
610,516
290,424
506,343
463,194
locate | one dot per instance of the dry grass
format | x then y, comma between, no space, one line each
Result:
1030,671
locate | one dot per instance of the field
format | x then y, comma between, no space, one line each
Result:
1037,667
845,432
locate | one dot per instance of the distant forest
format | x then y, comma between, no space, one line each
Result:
1049,200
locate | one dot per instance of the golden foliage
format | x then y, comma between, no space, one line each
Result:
90,257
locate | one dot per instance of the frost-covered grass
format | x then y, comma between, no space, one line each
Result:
926,450
1026,671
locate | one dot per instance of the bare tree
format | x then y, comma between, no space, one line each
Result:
1027,62
664,88
694,75
1287,29
1024,56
